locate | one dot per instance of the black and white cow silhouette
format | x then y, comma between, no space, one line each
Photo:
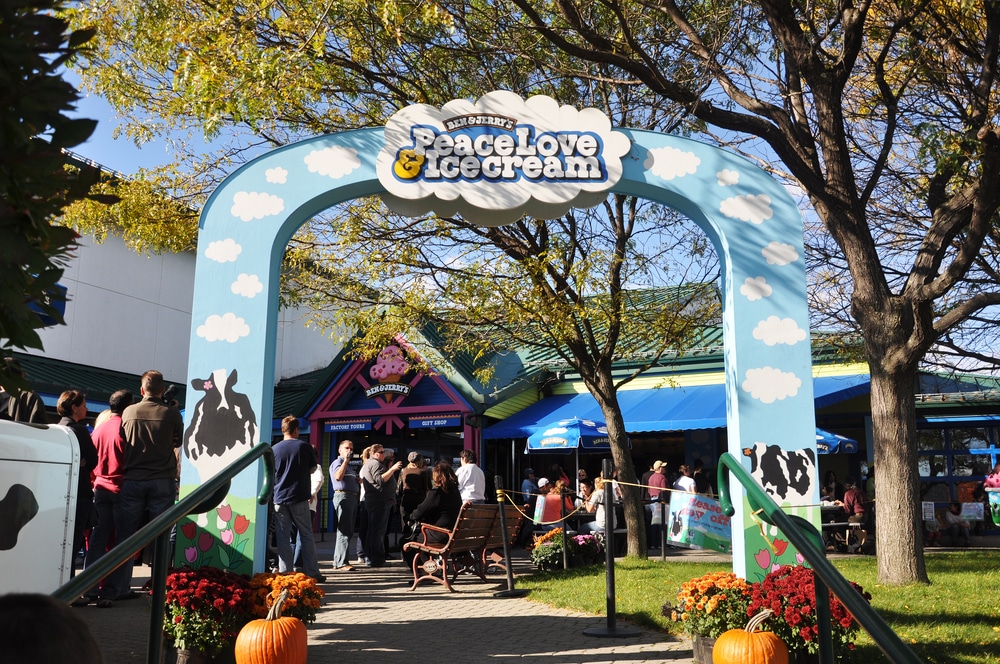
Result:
785,474
222,420
17,508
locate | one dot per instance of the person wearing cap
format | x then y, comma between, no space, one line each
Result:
529,487
657,491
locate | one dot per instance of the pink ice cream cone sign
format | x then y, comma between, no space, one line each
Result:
389,367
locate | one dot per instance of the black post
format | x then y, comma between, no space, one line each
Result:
663,527
158,577
609,561
562,521
508,563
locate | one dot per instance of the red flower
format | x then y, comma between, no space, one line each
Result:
189,528
241,524
790,592
205,541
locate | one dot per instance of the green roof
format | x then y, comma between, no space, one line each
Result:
50,378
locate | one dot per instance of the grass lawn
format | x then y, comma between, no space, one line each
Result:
955,619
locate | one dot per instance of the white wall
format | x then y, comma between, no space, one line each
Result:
129,312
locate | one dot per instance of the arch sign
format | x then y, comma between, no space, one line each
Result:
493,161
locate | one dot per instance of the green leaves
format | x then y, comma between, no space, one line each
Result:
35,183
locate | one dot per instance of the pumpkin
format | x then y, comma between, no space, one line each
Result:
748,646
273,640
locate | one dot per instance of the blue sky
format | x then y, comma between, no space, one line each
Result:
116,154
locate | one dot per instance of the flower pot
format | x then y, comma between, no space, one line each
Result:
702,646
186,656
226,656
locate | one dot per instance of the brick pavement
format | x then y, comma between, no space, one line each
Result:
369,615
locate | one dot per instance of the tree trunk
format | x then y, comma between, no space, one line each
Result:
899,539
635,521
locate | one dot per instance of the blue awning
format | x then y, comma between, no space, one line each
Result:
660,409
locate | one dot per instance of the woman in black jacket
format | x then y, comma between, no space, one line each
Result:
441,505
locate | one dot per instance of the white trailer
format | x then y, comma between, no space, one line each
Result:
39,469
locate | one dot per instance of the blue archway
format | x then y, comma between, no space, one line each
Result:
754,224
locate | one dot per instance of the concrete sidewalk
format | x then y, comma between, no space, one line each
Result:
370,615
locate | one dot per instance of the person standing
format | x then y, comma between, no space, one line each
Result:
684,481
110,446
152,430
294,463
346,491
471,479
529,489
316,481
25,406
72,406
379,490
656,492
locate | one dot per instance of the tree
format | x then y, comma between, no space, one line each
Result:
882,114
35,181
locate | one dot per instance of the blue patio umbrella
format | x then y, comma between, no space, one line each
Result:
833,443
570,435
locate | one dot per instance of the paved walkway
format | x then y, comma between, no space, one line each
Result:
369,615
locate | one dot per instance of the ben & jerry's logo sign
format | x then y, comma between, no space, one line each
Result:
499,158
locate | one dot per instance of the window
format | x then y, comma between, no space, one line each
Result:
945,464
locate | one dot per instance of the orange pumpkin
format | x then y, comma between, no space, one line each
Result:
273,640
748,646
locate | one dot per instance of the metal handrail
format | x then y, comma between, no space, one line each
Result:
204,498
804,536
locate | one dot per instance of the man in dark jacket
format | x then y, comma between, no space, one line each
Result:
152,431
294,462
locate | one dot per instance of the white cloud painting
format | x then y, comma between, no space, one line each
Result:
228,327
768,384
334,162
669,163
247,285
774,330
778,253
249,205
755,288
223,251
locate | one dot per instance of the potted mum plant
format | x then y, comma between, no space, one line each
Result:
790,593
304,596
205,610
588,547
547,550
708,606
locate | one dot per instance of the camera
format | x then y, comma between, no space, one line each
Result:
169,394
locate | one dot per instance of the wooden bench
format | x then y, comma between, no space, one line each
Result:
493,560
463,551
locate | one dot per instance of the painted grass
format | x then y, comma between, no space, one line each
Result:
955,619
